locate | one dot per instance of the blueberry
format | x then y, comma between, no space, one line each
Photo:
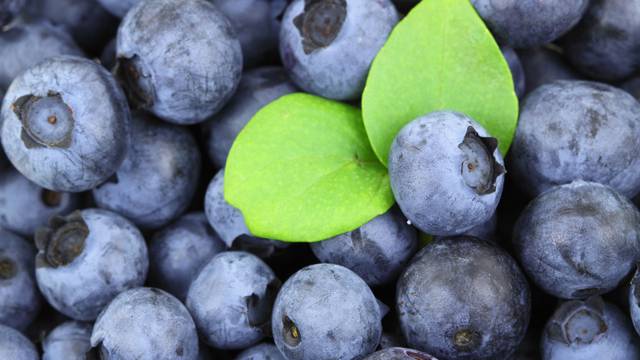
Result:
27,44
9,9
90,25
158,178
19,297
145,324
257,23
68,341
229,224
15,346
446,173
377,251
327,46
605,44
257,88
65,124
528,23
118,8
86,259
544,65
590,329
634,301
578,239
398,353
180,60
180,251
231,300
326,311
571,130
463,298
262,351
24,206
517,72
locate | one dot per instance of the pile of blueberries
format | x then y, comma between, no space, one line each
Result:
116,241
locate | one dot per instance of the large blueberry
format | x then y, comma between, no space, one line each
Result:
262,351
231,300
65,124
68,341
229,224
446,173
397,353
570,130
257,88
14,346
180,60
463,298
180,251
24,206
517,72
27,44
326,312
578,239
160,173
257,23
19,296
86,259
590,329
377,251
528,23
118,8
145,324
327,46
605,44
543,65
89,24
10,9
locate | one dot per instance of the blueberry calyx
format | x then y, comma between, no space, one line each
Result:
61,242
136,81
479,169
50,198
7,269
466,340
292,336
46,121
578,322
320,23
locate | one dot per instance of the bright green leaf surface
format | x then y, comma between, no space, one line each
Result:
440,57
303,170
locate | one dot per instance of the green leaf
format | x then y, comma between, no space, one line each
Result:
440,57
303,170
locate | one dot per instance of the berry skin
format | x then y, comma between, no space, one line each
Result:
118,8
262,351
463,298
24,206
180,60
529,23
446,173
159,175
231,300
590,329
398,353
327,46
180,251
65,124
577,130
86,259
14,346
544,65
344,325
68,341
145,324
19,297
10,9
578,240
377,251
